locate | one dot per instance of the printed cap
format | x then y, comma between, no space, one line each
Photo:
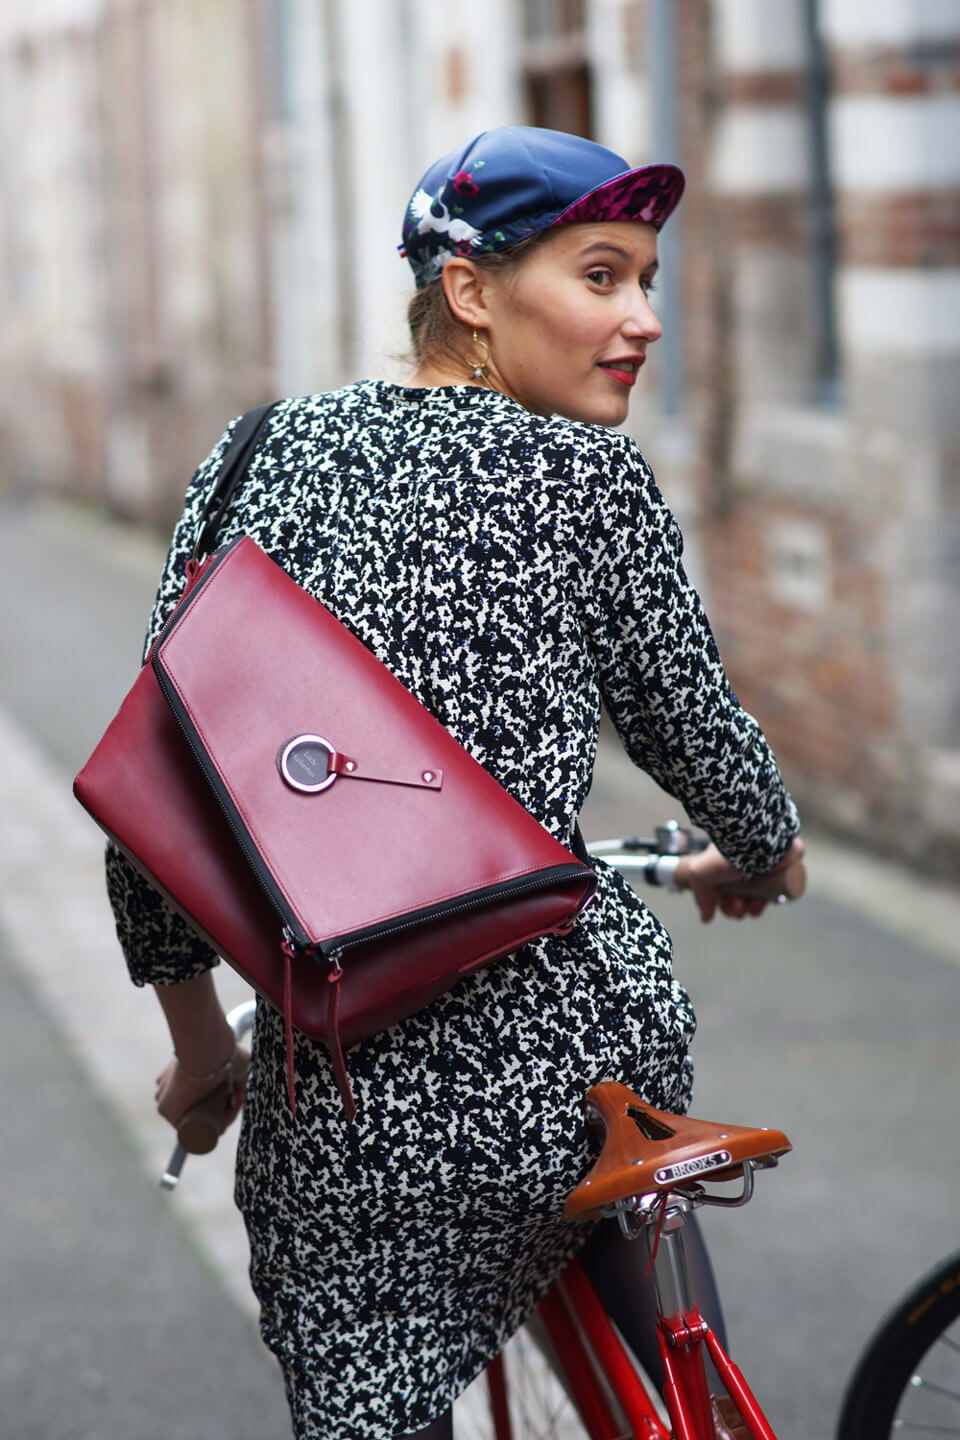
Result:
511,183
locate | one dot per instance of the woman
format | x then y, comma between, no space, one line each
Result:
511,560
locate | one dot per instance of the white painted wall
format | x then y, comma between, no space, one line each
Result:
907,312
759,34
402,119
49,203
887,22
761,149
374,60
486,38
303,220
895,142
621,94
33,19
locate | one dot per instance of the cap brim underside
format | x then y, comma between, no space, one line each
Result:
649,195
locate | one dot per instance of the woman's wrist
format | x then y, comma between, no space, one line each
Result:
211,1077
202,1038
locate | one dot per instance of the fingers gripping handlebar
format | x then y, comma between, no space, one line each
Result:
664,859
240,1019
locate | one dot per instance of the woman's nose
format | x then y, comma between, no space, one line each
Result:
642,323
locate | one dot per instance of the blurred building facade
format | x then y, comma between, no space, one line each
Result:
199,209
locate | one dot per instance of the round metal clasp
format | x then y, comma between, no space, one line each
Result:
306,763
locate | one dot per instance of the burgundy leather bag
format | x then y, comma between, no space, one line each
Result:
309,817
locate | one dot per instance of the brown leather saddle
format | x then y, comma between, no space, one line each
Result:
647,1150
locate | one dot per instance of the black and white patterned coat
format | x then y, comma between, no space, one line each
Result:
510,569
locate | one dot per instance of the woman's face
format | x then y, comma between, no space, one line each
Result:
568,330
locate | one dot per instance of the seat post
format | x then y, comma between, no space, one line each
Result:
680,1329
670,1263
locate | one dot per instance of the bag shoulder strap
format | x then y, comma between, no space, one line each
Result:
233,468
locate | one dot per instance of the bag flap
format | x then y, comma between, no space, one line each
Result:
353,805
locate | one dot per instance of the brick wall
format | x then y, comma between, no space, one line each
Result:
828,536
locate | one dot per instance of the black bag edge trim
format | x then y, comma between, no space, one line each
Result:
528,883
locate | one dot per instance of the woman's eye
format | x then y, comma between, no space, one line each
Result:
648,286
600,277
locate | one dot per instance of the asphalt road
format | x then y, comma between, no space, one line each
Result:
124,1312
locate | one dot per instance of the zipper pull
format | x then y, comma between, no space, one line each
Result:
334,1044
288,946
192,572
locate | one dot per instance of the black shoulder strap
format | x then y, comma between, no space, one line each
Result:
233,468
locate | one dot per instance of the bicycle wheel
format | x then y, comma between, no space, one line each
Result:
532,1397
908,1379
540,1408
537,1400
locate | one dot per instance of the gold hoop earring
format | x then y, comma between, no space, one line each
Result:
480,369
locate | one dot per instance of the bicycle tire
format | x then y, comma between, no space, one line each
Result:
908,1378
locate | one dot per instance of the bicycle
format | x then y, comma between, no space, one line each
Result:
650,1175
907,1380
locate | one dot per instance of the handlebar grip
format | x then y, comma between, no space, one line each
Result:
202,1126
790,883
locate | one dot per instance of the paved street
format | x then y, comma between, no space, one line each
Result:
125,1311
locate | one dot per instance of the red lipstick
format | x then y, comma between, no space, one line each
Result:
624,368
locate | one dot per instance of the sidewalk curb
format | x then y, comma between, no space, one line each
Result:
55,915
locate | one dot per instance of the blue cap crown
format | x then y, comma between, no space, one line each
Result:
511,183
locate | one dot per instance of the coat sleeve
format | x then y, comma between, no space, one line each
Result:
660,673
159,946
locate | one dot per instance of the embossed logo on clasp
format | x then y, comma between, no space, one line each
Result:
306,763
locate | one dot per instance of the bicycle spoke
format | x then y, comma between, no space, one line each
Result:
907,1382
539,1404
918,1383
930,1404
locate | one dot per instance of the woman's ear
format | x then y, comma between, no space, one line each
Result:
464,285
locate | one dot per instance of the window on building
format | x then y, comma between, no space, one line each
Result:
555,67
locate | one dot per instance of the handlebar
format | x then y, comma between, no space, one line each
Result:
663,859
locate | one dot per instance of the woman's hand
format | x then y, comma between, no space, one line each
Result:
207,1050
708,870
177,1092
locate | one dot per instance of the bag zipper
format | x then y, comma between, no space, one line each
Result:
194,585
335,953
506,890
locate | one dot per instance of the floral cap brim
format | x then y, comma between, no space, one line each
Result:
511,183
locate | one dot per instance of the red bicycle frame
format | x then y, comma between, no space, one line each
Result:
600,1374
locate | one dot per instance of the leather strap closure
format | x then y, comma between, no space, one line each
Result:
346,765
311,763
